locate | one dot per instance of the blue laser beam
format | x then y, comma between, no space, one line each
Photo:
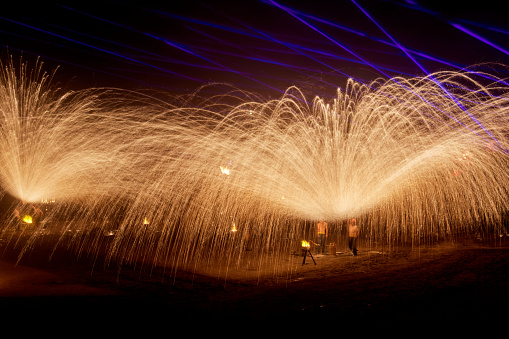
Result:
100,49
225,68
184,49
258,58
424,70
328,37
479,37
365,35
418,53
258,35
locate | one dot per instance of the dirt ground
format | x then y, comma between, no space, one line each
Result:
462,285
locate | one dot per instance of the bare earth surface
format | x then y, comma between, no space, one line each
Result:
461,286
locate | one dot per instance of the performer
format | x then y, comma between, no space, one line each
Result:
323,233
353,233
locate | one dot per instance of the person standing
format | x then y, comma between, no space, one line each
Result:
323,233
353,233
38,214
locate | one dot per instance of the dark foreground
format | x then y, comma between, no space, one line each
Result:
461,286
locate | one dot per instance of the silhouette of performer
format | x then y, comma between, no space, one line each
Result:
323,233
353,233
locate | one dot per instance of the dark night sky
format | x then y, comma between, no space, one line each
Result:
258,45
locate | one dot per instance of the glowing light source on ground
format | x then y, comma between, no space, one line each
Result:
225,170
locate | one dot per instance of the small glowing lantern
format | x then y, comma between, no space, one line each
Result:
145,221
27,219
234,228
225,170
305,244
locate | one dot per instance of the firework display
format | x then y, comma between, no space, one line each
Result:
149,181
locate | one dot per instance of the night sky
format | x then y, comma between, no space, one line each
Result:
259,45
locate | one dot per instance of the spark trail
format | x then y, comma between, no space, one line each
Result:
172,181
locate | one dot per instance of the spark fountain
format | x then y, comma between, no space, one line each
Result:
182,186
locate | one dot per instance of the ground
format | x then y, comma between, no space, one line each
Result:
458,284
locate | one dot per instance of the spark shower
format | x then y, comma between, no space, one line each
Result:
179,185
